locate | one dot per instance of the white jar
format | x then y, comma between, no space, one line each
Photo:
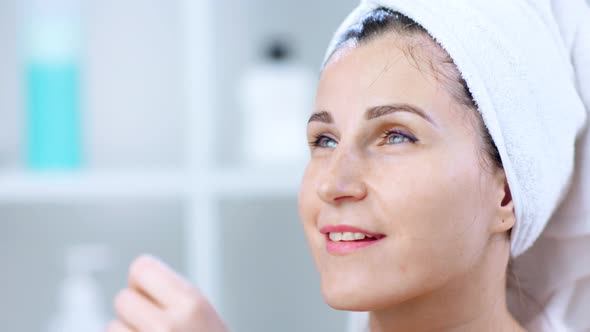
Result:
276,98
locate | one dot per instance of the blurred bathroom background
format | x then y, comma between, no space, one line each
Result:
169,127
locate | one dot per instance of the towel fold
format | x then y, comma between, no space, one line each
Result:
555,271
527,65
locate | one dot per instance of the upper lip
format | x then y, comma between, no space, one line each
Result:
347,228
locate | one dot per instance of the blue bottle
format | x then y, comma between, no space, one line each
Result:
52,70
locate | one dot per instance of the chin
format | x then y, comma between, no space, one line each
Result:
354,297
368,292
343,302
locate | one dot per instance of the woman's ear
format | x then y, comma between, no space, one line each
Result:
506,219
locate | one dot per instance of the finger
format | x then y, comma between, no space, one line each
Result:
159,282
117,326
139,313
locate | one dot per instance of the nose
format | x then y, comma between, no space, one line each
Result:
342,180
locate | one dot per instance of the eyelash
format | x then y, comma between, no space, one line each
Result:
390,132
315,143
318,138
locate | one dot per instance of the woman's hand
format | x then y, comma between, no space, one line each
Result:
159,300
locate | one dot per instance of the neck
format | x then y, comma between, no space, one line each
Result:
475,301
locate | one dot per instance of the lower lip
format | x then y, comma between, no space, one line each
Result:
345,247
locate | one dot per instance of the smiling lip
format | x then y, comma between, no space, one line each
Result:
346,228
345,247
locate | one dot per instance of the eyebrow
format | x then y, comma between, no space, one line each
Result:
375,112
321,116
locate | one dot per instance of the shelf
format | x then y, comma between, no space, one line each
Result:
256,182
175,183
81,185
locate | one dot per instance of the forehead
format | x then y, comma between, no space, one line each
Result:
378,68
387,69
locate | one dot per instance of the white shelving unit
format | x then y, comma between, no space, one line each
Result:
210,197
32,187
141,183
210,184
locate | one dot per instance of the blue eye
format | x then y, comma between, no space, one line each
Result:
397,137
323,141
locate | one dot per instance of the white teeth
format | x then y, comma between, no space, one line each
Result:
335,237
347,236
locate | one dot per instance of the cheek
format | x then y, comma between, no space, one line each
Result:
309,205
434,213
306,201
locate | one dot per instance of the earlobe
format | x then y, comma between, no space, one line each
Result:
506,218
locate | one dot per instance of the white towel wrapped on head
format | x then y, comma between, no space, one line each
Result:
527,65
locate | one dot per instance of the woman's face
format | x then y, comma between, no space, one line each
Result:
396,157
